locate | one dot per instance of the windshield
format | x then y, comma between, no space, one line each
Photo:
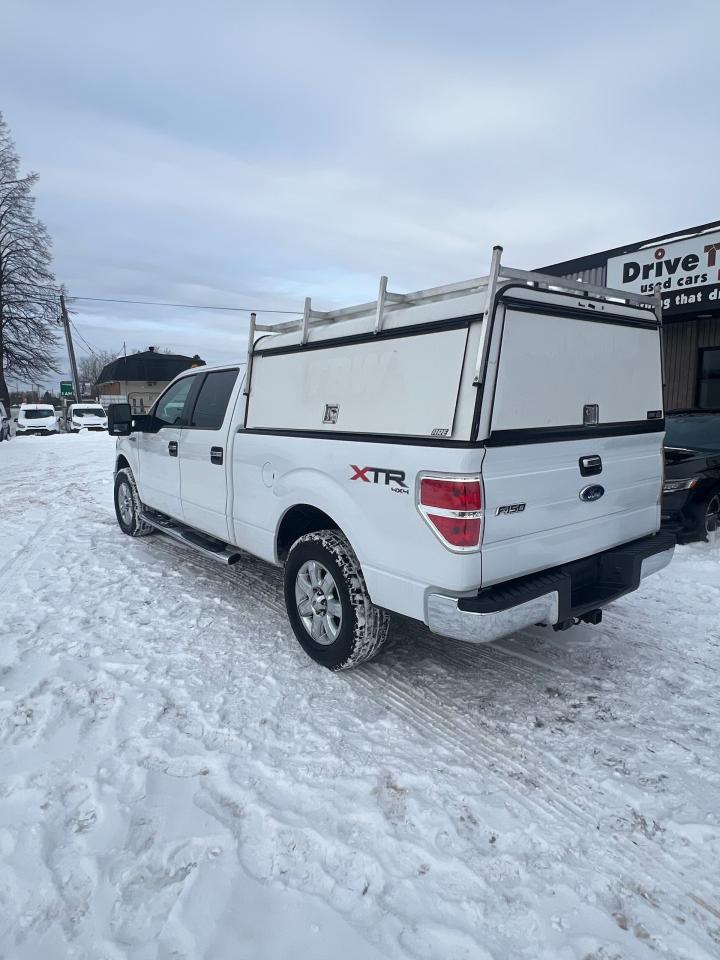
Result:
693,432
89,412
36,414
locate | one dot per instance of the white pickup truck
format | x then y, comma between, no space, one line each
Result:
482,457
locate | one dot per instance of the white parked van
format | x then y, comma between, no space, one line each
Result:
482,457
85,416
36,418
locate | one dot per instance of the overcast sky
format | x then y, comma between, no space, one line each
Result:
251,154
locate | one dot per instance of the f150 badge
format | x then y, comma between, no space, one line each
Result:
509,508
396,477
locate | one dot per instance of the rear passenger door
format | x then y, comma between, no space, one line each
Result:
203,454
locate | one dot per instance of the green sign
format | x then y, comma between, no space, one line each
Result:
66,388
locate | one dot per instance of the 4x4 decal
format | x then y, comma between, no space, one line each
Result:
391,476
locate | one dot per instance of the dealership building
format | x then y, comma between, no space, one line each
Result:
686,264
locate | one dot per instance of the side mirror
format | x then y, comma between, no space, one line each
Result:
119,420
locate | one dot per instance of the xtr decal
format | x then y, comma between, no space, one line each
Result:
391,476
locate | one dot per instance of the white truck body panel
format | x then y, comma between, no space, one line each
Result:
206,486
556,526
400,556
378,386
556,364
158,474
549,367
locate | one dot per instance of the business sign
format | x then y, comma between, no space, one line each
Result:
688,272
66,388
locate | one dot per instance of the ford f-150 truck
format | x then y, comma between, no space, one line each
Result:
482,456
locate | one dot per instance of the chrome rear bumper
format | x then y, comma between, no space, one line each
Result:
445,617
558,597
656,562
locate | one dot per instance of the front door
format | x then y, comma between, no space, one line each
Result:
204,455
159,480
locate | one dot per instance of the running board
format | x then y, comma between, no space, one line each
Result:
216,551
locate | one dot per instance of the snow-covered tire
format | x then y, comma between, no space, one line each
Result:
128,506
363,627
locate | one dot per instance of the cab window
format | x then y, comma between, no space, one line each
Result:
172,403
212,400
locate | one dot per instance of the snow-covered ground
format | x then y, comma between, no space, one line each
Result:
178,780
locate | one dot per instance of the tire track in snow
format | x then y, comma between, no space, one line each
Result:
553,804
561,804
23,548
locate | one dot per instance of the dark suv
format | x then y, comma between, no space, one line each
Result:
691,492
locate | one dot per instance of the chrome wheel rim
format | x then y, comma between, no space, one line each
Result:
712,517
318,602
125,503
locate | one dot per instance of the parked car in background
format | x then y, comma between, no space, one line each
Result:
691,492
36,418
4,423
85,416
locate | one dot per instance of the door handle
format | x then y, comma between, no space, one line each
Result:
216,455
172,448
589,466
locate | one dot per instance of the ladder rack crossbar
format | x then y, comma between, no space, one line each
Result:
578,286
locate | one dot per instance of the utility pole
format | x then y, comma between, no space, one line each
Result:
70,349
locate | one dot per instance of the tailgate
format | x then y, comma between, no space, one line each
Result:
557,487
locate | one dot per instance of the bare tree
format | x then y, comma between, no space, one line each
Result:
28,295
90,367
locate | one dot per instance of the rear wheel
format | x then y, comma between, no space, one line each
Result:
128,506
330,610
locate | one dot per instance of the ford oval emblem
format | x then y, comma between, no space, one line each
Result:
592,493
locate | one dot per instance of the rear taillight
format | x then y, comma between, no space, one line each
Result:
452,507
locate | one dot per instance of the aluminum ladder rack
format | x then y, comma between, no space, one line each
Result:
389,302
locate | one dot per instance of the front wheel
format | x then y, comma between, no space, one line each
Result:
330,610
128,506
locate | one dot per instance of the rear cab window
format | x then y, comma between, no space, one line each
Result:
212,400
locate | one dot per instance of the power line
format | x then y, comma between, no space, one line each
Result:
162,303
186,306
92,351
